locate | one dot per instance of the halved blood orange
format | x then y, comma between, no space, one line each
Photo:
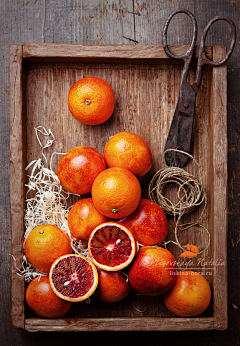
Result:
73,277
111,246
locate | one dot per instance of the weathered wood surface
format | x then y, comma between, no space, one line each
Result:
115,22
146,97
119,324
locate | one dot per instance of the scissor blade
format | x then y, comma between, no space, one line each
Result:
179,137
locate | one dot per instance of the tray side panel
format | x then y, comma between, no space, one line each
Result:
218,178
119,324
17,175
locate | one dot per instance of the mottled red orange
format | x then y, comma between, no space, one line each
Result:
148,223
112,286
130,151
78,169
43,301
83,218
153,271
189,296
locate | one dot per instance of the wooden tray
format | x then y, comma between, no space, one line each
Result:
146,85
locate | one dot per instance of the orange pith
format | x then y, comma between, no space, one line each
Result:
189,296
73,277
130,151
111,246
43,301
91,100
116,192
78,169
44,244
83,218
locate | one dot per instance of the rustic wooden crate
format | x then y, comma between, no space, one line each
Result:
146,85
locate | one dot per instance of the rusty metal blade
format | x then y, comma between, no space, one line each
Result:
179,137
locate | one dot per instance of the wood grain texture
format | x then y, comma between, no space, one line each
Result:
138,109
118,22
118,324
218,116
17,173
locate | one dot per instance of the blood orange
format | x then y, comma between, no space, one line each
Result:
111,246
130,151
153,271
112,286
43,301
78,169
116,192
73,278
91,100
148,223
44,244
83,218
189,296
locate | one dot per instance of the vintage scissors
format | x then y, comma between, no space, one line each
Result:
180,133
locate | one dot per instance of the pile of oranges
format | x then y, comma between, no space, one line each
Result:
121,230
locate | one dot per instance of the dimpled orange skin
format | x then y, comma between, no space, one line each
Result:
78,169
112,286
130,151
152,271
148,223
189,296
116,192
100,101
83,218
44,244
43,301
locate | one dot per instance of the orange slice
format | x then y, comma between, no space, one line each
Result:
73,277
111,246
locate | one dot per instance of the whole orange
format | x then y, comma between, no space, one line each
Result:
83,218
116,192
43,301
153,271
91,100
189,296
130,151
112,286
78,169
44,244
148,223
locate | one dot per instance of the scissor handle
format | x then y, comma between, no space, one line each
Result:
189,52
203,59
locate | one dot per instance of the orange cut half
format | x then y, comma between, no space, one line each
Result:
73,277
111,246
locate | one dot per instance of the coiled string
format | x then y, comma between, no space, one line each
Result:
191,195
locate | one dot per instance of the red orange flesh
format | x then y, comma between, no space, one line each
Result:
111,246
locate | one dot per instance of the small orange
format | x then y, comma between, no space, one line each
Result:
78,169
130,151
83,218
44,244
189,296
148,223
112,286
153,271
43,301
116,192
91,100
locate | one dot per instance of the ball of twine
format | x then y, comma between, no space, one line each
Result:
190,193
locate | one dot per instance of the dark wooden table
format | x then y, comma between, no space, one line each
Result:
118,22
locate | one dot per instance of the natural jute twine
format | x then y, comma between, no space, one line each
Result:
190,193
